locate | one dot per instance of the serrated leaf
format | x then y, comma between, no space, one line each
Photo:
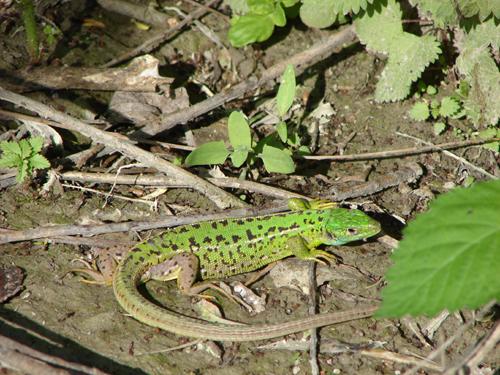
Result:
439,127
476,61
10,148
286,91
442,12
282,131
276,160
379,26
23,172
448,107
318,13
449,257
25,148
239,157
408,58
38,161
209,153
250,28
420,111
346,6
239,131
11,160
36,144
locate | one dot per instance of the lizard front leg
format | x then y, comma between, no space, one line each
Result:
302,250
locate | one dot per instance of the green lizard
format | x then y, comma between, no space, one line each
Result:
219,248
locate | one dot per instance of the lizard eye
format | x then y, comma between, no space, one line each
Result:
352,231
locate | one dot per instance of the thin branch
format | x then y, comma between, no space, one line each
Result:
218,196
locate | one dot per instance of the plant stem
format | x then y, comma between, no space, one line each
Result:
29,22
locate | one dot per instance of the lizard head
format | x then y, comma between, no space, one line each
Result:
349,225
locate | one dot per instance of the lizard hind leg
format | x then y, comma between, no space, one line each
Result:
183,267
102,270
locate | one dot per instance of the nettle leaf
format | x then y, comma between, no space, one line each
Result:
378,26
408,58
209,153
276,160
239,131
439,127
448,107
286,91
449,257
318,13
345,6
251,27
420,111
476,61
441,11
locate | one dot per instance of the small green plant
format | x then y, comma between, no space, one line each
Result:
259,19
51,33
24,156
447,108
272,152
449,257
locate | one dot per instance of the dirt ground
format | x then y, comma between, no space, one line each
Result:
83,323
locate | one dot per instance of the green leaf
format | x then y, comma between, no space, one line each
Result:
408,58
449,107
278,16
239,131
478,65
276,160
318,13
282,131
209,153
346,6
10,148
286,91
239,157
431,90
38,161
251,28
449,257
420,111
261,6
289,3
380,25
293,139
303,151
36,144
25,148
10,160
439,127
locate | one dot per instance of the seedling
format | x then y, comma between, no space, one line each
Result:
272,152
24,156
